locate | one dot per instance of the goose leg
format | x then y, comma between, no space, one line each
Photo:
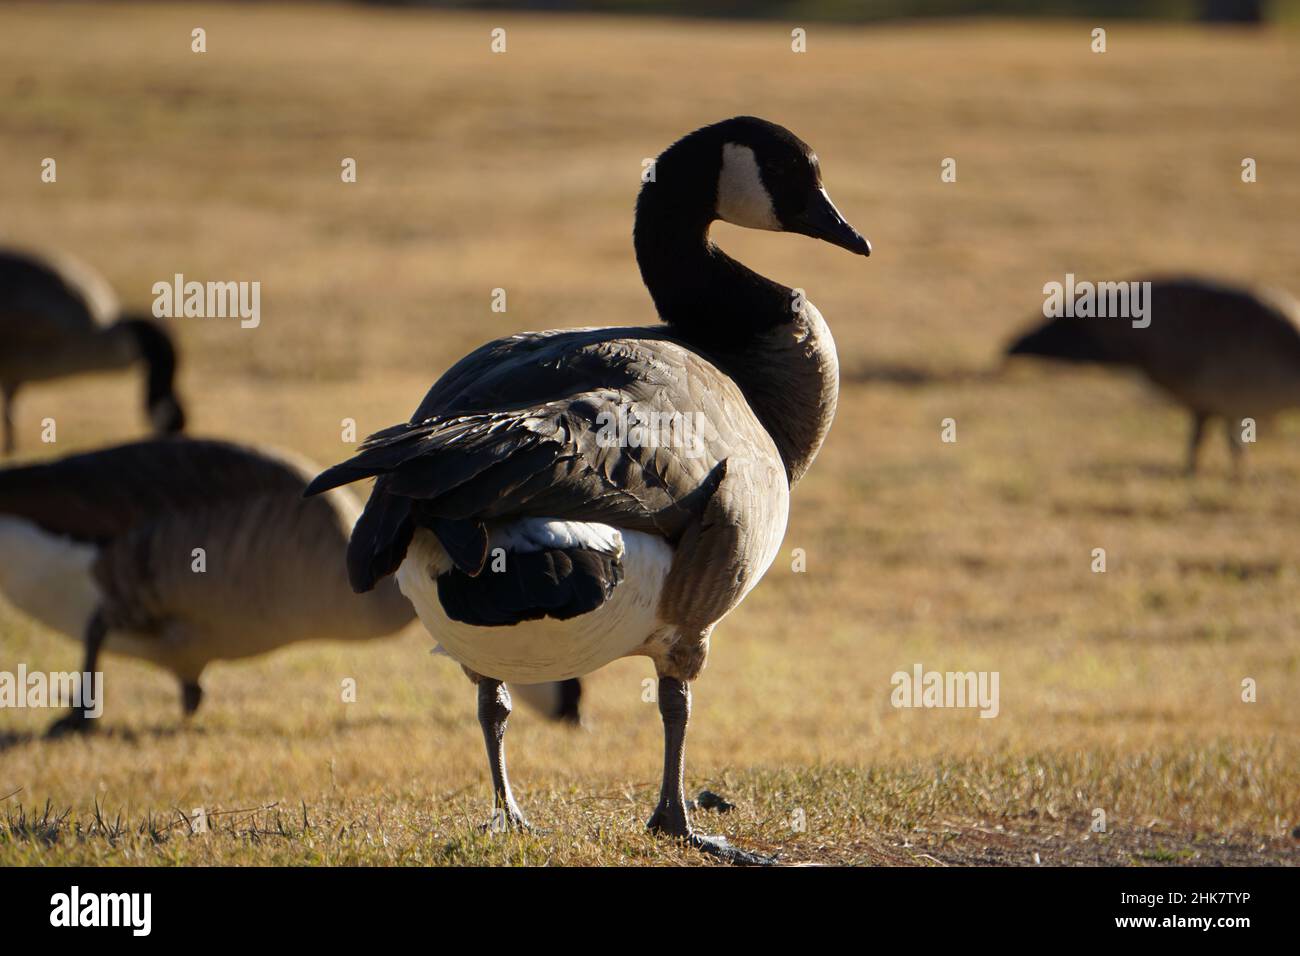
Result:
191,696
1235,446
76,721
7,394
670,817
1194,440
493,712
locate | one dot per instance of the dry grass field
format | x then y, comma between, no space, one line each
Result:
1119,691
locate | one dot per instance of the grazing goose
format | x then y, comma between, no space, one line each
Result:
561,499
58,318
1216,349
100,546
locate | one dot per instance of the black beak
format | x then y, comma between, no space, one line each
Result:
822,220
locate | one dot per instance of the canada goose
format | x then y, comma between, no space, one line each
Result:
59,318
537,543
101,546
1215,348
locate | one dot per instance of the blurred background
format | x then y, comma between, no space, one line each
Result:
1217,11
519,170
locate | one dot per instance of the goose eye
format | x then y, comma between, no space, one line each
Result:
790,165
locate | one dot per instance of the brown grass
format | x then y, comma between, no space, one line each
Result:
1119,691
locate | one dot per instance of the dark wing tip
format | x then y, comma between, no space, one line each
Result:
381,453
379,539
362,578
332,478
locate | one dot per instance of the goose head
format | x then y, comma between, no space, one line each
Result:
768,178
748,172
1072,340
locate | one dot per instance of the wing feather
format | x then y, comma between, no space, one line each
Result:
521,428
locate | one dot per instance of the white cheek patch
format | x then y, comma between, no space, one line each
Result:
742,198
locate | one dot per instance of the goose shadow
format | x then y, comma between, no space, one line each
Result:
1155,469
11,739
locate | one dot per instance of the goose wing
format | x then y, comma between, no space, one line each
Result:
104,494
44,301
546,425
1217,316
273,572
1219,346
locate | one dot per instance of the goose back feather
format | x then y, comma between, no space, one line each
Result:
477,453
54,319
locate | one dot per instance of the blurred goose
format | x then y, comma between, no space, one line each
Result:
58,318
100,546
1216,349
562,499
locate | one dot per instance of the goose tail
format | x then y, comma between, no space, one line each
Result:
381,453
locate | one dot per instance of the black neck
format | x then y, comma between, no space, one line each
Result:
743,323
158,353
707,297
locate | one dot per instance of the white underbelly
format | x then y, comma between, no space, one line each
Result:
46,576
50,578
545,649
